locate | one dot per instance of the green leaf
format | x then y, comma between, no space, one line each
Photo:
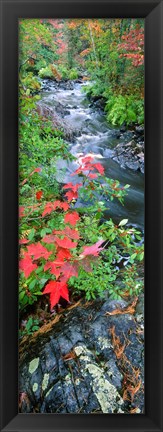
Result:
31,234
32,284
34,328
21,295
133,256
123,222
141,256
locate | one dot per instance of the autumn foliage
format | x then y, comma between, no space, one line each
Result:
58,241
60,261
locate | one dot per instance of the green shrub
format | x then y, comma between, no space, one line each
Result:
66,73
73,74
45,72
124,109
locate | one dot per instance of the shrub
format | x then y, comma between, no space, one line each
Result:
73,74
62,243
124,109
46,72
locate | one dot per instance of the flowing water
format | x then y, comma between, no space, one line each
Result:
95,136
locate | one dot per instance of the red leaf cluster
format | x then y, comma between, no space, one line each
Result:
73,193
65,265
88,165
133,46
51,206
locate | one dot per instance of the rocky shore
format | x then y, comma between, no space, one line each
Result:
88,359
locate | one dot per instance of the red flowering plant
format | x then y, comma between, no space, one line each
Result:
65,251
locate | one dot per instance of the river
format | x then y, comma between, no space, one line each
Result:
95,136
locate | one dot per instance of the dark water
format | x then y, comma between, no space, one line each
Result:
97,138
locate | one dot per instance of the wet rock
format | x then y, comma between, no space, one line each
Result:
142,169
107,153
130,155
123,128
139,130
57,120
60,109
72,366
66,85
132,165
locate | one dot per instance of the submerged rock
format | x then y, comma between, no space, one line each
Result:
78,363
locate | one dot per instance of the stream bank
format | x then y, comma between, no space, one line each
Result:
120,151
88,358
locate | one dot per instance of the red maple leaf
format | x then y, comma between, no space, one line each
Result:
51,206
64,291
92,250
56,290
99,168
38,251
73,187
23,241
68,270
69,232
26,265
71,195
60,204
65,243
92,175
21,211
72,218
65,206
48,209
53,268
39,195
63,254
88,167
86,159
78,171
49,238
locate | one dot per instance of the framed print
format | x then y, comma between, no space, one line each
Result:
81,93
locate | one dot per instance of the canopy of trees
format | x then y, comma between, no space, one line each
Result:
109,51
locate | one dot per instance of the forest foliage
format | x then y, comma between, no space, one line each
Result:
109,51
67,252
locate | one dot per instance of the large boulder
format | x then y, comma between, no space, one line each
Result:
88,359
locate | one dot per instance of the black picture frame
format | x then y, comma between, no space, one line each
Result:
152,12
